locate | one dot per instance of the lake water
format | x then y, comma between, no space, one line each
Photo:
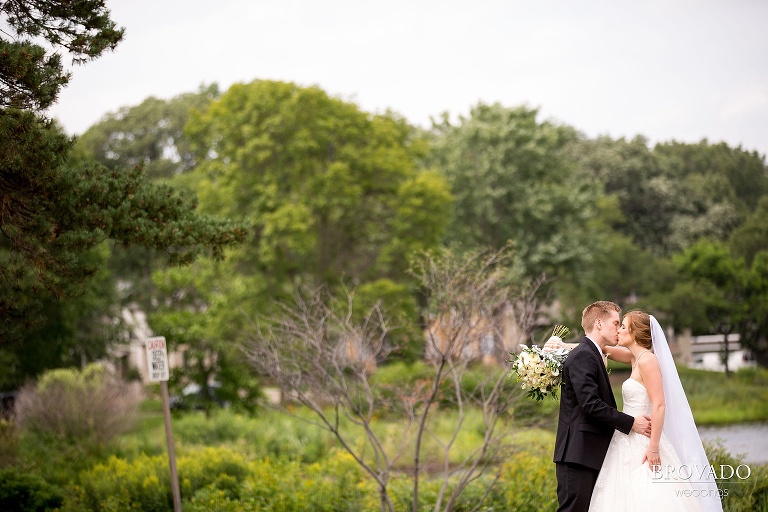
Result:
750,439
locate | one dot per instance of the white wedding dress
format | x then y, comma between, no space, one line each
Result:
627,484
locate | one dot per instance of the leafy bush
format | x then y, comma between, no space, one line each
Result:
528,483
541,414
21,492
86,407
268,435
144,483
223,479
739,495
141,484
220,468
219,427
335,485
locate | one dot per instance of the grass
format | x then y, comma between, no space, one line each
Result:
272,445
277,435
718,400
714,398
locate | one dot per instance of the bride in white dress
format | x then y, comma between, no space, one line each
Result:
669,471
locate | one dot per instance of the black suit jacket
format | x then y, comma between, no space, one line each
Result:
588,414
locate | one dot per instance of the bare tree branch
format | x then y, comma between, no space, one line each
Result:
322,352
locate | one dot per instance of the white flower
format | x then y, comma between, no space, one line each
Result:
538,371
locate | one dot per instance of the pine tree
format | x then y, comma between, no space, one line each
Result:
54,213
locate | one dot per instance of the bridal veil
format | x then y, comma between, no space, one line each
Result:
680,428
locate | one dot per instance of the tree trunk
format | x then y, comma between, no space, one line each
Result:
420,432
385,502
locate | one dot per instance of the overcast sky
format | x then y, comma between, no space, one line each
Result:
667,69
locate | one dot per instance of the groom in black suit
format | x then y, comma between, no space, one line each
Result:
588,414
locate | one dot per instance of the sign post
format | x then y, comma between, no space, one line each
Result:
157,365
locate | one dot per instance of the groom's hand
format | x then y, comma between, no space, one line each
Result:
642,425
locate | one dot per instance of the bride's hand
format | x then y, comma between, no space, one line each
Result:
552,344
555,343
653,458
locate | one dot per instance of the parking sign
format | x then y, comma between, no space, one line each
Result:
157,359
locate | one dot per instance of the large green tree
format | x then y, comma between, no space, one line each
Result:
513,185
718,288
629,171
754,329
331,192
717,187
674,194
202,315
718,172
334,197
54,213
719,293
30,76
751,237
150,134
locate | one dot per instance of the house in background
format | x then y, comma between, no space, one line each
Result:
486,338
707,352
489,340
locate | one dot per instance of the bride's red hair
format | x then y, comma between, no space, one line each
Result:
640,327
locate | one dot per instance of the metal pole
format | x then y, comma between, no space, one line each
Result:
171,451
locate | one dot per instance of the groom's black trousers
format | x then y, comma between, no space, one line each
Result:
575,484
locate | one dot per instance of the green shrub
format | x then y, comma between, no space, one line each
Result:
220,427
144,483
473,495
398,302
210,499
739,495
333,485
57,461
399,380
291,438
337,484
532,413
528,483
267,435
21,492
219,468
83,407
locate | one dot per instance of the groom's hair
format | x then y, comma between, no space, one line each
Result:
595,311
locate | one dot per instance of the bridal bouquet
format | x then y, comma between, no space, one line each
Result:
539,371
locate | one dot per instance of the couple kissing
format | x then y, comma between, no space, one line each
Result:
630,460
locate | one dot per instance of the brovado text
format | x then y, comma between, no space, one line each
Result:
698,473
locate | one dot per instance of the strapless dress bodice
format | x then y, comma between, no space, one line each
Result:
636,399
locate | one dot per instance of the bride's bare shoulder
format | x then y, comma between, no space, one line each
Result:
648,362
